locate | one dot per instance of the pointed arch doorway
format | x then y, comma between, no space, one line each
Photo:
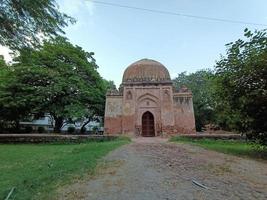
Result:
148,127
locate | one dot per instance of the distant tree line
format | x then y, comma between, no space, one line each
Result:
233,96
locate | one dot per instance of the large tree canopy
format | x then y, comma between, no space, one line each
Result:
22,22
59,78
242,82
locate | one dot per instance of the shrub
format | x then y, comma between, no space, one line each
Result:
71,129
41,129
260,138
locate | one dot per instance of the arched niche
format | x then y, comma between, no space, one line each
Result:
129,95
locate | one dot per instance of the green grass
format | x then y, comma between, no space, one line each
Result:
37,170
235,147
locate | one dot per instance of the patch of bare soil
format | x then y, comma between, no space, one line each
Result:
152,168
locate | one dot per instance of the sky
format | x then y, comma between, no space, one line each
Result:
121,36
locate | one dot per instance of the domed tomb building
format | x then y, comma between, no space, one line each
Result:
147,103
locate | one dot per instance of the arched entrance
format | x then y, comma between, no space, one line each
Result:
148,129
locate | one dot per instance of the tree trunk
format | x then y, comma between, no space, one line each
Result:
83,126
58,124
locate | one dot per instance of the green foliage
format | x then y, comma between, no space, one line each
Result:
241,84
235,147
37,175
24,23
58,78
71,129
109,85
4,72
2,61
235,95
200,83
20,95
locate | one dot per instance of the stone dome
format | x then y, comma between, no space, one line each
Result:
146,70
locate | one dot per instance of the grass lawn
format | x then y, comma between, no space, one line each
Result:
235,147
37,170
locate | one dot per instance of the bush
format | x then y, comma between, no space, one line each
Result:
41,129
28,129
260,138
71,129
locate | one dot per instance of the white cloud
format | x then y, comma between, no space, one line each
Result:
5,51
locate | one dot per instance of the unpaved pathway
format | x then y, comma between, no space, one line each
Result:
152,168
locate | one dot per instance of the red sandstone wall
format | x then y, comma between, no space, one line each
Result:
128,110
148,98
113,115
169,117
167,114
113,126
173,113
184,114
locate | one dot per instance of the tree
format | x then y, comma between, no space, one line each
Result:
3,74
200,83
23,22
18,98
97,110
110,85
241,81
59,78
2,61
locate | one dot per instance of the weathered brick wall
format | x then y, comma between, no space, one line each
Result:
148,98
184,113
173,112
147,87
167,114
113,115
138,99
128,121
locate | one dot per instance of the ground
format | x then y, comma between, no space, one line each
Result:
36,170
152,168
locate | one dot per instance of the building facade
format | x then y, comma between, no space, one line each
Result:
147,104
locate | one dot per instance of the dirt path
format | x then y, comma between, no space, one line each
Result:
152,168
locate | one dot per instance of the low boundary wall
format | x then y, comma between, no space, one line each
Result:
50,138
214,136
